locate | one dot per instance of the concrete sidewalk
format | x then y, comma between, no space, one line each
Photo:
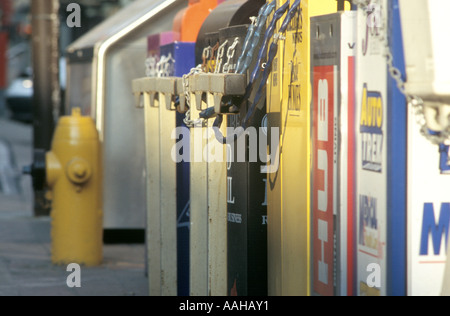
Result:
25,266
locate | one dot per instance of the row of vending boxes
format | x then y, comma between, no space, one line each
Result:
379,221
334,190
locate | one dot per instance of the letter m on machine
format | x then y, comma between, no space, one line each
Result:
324,85
435,226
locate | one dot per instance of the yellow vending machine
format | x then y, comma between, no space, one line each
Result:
288,189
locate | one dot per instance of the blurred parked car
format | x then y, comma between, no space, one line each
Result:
19,95
19,98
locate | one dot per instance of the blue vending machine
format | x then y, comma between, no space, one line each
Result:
177,59
397,156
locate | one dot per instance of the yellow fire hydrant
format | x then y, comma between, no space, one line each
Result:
74,175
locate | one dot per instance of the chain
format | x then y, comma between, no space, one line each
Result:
230,55
414,101
417,104
187,120
213,59
186,83
207,52
150,66
220,54
159,66
192,123
163,66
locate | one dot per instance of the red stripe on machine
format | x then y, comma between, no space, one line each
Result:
351,173
323,167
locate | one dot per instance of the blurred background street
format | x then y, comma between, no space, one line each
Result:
25,265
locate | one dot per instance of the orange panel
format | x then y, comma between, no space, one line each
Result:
177,21
193,19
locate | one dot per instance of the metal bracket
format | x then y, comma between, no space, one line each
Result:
147,87
179,88
437,116
138,91
218,85
198,85
167,88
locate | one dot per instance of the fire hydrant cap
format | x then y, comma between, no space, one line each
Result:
79,171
